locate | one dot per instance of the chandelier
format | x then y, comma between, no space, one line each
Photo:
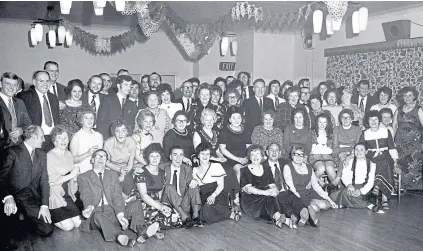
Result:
336,11
57,33
125,7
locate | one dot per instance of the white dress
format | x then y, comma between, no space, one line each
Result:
83,142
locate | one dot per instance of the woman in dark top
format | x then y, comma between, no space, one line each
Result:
179,135
232,98
210,178
150,182
233,145
203,102
258,199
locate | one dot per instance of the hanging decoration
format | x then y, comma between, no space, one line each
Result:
148,25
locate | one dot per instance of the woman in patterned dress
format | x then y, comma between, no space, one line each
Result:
382,151
216,94
143,136
267,134
408,124
150,181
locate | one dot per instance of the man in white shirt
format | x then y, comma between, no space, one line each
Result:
186,99
294,209
24,183
181,190
105,207
273,89
57,89
248,90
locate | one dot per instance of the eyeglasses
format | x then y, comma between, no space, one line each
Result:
231,97
181,120
298,154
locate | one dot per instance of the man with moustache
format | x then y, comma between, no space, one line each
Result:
154,81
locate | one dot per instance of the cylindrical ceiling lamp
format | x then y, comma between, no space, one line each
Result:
98,11
52,38
224,46
120,5
317,21
61,34
363,14
34,40
355,22
329,25
69,38
65,6
39,32
101,4
234,47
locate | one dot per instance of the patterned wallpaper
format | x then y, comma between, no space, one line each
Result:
395,68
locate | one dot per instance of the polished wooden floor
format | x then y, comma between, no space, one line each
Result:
401,228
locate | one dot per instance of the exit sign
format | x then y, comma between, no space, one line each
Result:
227,66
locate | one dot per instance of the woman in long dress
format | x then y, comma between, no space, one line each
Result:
210,178
408,124
258,198
382,151
60,168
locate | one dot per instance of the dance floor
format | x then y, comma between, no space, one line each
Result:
401,228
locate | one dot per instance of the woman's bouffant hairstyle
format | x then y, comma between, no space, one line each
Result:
204,146
303,112
314,96
329,126
386,90
177,114
58,130
345,111
118,123
143,114
152,148
82,113
71,84
292,90
255,147
372,114
152,92
165,87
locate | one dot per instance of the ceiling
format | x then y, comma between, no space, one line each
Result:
192,12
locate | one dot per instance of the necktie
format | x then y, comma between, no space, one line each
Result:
54,90
261,105
47,114
102,191
13,114
123,102
188,105
32,155
93,104
276,102
278,179
175,179
362,104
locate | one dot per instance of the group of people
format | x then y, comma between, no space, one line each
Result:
129,159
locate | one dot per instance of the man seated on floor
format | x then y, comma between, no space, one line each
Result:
294,209
24,185
181,191
105,207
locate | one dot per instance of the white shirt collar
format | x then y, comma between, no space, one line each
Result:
40,95
28,147
5,98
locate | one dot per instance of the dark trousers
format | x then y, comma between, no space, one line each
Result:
107,222
28,202
290,203
186,201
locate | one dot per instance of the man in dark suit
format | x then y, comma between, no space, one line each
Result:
363,99
93,95
293,207
57,89
42,106
105,208
136,96
15,116
181,190
24,183
154,80
186,99
248,90
117,106
107,83
255,105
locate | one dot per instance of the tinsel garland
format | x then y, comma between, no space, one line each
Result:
193,40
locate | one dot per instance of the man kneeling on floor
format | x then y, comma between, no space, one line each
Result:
105,207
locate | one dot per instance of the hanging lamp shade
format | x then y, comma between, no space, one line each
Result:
329,25
39,32
355,22
52,38
101,4
69,38
33,34
317,21
61,34
65,6
120,5
234,47
98,11
224,46
363,14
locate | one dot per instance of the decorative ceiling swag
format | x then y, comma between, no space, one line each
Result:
373,47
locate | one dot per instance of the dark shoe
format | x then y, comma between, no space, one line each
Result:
314,220
188,223
198,222
304,217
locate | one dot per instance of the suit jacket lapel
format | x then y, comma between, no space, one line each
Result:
182,181
4,105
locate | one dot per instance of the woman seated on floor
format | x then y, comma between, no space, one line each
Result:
302,181
149,188
210,178
258,197
321,150
60,168
121,151
358,177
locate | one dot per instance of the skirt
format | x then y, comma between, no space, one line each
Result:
219,210
63,213
231,181
384,178
313,158
341,197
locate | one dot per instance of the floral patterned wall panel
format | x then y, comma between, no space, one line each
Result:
394,68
